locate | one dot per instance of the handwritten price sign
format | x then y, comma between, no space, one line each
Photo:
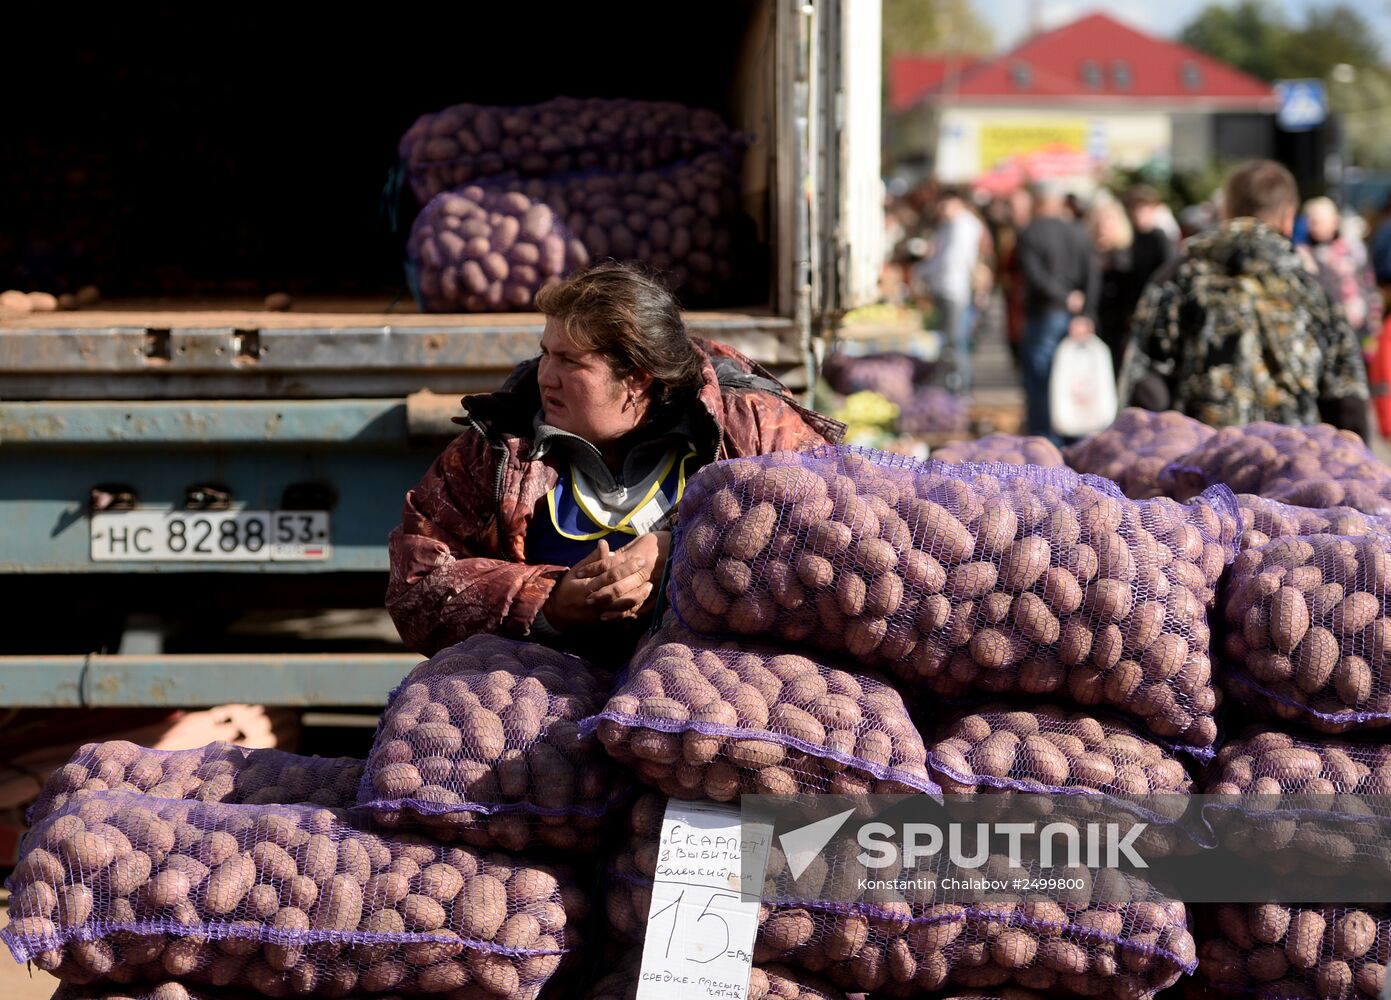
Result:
701,926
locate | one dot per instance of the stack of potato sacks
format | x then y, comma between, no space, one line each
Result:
515,198
815,595
1303,653
222,872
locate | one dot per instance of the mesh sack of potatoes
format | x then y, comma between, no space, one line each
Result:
1295,952
1049,750
1135,449
469,142
164,989
1262,520
488,250
1117,939
702,718
482,743
1007,449
933,410
892,374
965,580
1074,766
218,772
280,900
1314,466
493,246
1307,637
766,982
1307,808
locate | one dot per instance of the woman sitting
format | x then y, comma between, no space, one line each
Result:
549,518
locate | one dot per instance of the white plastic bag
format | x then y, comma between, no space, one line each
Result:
1081,388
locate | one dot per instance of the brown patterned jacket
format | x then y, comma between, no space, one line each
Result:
458,557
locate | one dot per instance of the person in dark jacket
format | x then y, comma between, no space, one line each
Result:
549,516
1150,246
1237,330
1060,294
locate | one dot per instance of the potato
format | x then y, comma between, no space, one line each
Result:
495,721
1003,582
219,772
190,901
1304,635
766,707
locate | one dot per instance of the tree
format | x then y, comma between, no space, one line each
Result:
1249,36
914,26
1254,36
1328,37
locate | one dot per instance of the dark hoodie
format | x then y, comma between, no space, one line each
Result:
1239,331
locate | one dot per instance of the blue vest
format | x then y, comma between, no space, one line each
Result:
566,530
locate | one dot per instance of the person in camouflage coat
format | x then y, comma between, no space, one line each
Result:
1237,330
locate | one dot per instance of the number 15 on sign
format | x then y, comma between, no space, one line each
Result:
701,926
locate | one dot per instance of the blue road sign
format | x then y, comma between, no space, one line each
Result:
1303,104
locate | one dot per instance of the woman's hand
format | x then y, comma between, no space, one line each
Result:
627,588
568,604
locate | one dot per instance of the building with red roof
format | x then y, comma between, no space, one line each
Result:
1067,102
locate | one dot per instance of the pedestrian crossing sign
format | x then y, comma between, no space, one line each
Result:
1303,104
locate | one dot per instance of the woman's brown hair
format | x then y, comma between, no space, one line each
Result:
629,316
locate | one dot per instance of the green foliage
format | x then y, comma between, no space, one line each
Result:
1178,189
1254,36
918,26
1249,36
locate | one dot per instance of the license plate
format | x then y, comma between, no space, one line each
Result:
210,536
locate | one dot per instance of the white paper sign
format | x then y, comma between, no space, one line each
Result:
701,928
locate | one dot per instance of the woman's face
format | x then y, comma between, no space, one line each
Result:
580,394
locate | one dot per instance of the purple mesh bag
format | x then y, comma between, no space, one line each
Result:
1308,637
218,772
1135,449
1268,762
1007,449
681,220
167,989
1302,806
1295,952
1316,466
1263,519
482,743
1047,750
892,374
481,250
965,580
1124,940
280,900
469,142
766,982
1101,765
933,410
705,719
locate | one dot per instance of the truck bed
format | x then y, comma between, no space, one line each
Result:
345,348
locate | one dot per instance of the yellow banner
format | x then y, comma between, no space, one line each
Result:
1003,141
